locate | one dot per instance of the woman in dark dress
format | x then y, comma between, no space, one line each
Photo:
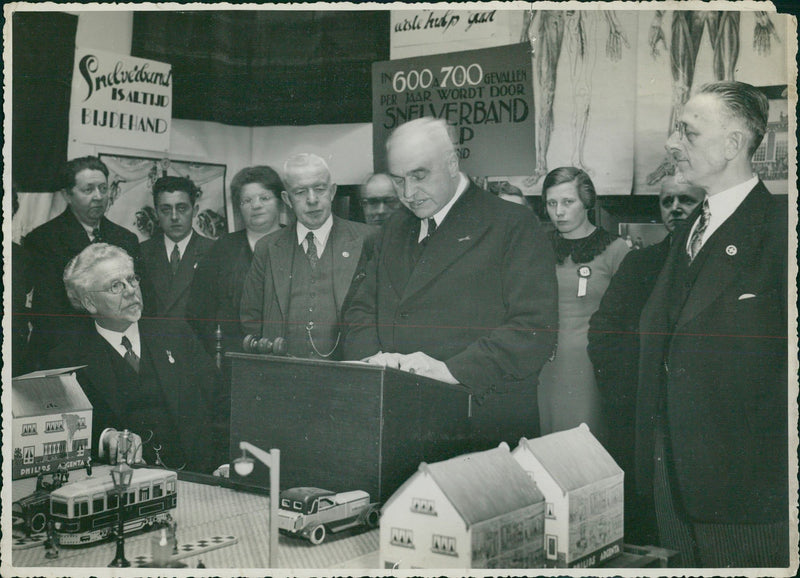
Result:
218,281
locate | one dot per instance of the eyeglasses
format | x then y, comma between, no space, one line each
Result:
119,285
262,199
392,202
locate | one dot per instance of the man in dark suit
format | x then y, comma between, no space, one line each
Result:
462,289
49,248
170,257
301,275
712,433
150,376
614,341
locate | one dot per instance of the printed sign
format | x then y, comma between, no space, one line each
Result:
120,101
485,95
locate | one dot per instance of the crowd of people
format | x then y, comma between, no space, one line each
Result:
674,355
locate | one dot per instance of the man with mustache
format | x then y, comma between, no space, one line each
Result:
614,339
149,376
712,405
50,246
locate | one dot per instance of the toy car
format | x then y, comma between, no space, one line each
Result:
313,512
33,511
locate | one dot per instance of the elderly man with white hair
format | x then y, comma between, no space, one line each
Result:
301,275
149,376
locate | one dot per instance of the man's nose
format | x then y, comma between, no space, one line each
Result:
174,213
673,141
312,197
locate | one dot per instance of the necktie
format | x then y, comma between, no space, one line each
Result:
174,258
96,236
311,251
130,355
696,242
431,231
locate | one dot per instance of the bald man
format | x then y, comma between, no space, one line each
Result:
462,288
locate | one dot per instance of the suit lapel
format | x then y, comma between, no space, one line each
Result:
346,251
720,258
161,277
280,259
76,238
397,251
100,371
458,233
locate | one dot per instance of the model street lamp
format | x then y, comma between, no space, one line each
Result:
121,475
244,467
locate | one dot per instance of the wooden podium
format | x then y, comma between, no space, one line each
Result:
343,426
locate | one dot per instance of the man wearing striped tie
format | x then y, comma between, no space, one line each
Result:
49,247
712,431
149,376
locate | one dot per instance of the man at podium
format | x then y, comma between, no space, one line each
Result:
461,289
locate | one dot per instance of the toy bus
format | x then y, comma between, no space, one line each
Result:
88,511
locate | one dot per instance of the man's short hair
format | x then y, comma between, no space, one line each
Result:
374,177
745,103
171,184
436,129
78,275
303,160
262,175
71,169
583,183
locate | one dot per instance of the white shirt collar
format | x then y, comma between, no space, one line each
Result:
723,204
463,183
114,338
320,235
169,243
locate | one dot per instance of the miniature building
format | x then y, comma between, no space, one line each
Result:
583,491
52,422
477,510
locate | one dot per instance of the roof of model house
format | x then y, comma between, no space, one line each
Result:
482,485
574,457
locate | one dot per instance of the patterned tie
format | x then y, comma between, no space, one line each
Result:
130,355
96,236
311,251
175,258
696,242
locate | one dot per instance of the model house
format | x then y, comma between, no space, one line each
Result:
583,491
477,510
52,422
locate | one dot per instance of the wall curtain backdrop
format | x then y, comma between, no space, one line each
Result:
267,68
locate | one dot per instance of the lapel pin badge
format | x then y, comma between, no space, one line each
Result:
169,356
731,250
584,272
345,254
462,239
194,266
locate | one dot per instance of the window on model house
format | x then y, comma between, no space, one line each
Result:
444,545
402,537
423,506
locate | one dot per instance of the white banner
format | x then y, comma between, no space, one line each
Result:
120,101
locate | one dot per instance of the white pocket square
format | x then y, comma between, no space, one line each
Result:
744,296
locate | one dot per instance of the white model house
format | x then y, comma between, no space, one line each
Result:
52,422
477,510
583,491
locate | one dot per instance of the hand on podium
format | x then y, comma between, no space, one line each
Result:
417,362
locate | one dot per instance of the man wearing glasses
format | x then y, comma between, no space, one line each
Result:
378,199
301,274
49,247
170,257
149,376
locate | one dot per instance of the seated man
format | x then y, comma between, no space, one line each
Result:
146,375
378,199
301,274
50,246
170,257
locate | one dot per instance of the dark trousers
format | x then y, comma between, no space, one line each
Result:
712,545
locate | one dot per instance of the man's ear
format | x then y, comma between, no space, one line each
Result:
452,164
286,198
333,190
735,143
67,194
195,211
88,303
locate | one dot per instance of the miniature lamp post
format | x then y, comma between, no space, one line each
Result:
244,467
121,475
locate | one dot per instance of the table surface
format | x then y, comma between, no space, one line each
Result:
205,511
